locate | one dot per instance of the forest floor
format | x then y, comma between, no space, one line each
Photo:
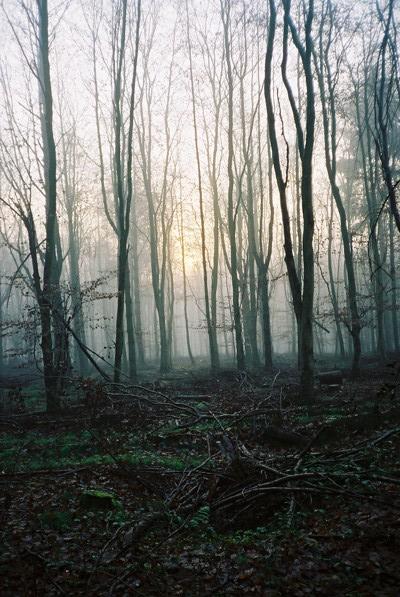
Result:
204,486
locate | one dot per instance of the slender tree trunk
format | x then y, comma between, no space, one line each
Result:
237,319
120,198
70,198
46,295
393,277
339,335
330,141
212,337
129,326
1,328
141,356
370,193
303,302
124,196
185,304
266,317
383,102
76,301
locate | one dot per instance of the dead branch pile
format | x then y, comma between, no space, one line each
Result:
244,483
308,477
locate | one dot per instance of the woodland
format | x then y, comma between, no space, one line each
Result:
199,327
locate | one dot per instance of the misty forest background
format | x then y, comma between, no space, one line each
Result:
199,297
197,183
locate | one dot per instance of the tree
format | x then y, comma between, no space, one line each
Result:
232,208
303,298
46,282
326,82
69,149
160,221
211,330
387,93
124,192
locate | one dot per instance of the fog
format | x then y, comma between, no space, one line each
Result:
188,215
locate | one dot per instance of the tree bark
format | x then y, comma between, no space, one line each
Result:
232,211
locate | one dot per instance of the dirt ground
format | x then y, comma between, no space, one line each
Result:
204,486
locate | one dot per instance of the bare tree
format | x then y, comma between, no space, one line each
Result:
302,298
327,88
211,330
159,219
124,192
45,279
225,6
387,97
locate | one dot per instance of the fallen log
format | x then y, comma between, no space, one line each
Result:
331,378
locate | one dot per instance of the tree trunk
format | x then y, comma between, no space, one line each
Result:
329,125
212,340
266,320
339,335
237,319
130,332
50,177
393,278
185,305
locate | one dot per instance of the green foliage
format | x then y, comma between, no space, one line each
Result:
58,521
305,419
199,520
34,452
116,517
34,397
201,517
202,406
171,428
248,537
97,499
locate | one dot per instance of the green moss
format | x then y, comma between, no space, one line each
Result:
95,499
34,397
34,451
59,521
247,537
171,429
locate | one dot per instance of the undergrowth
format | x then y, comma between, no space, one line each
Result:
35,452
